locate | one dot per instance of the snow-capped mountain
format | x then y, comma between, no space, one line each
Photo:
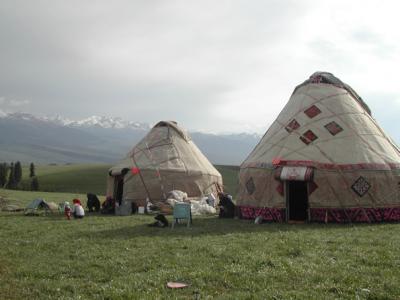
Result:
108,122
92,121
19,116
45,139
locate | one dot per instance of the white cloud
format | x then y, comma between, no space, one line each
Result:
215,65
18,103
7,103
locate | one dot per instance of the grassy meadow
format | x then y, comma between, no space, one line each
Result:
108,257
73,178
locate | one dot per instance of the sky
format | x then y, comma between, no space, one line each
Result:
217,66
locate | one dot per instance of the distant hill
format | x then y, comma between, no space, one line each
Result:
85,178
27,138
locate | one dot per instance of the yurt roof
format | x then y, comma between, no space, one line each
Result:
325,121
168,150
174,125
329,78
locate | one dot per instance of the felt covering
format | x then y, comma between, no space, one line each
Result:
325,126
165,160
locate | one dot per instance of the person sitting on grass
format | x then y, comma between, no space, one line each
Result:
227,207
77,210
93,203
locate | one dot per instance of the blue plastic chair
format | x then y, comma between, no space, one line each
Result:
182,211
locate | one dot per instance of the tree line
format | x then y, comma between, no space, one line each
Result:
11,176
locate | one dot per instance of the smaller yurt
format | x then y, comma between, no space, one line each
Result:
166,159
324,159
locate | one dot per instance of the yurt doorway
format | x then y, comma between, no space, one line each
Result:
118,188
297,200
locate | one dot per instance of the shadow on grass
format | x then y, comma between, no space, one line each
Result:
137,226
212,226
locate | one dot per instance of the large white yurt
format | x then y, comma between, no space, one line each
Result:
323,159
165,159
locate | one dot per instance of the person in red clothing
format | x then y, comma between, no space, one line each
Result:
77,211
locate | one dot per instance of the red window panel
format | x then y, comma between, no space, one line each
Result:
312,111
293,125
333,128
308,137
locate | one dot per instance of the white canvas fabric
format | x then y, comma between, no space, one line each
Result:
165,160
325,126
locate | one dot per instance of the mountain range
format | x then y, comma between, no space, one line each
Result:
30,138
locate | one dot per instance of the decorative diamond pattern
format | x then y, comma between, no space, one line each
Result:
361,186
312,186
312,111
308,137
250,186
293,125
333,128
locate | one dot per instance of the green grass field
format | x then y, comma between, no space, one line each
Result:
108,257
85,178
80,178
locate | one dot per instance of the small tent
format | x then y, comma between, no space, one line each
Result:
33,207
165,159
324,159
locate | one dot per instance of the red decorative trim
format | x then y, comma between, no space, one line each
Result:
325,166
268,214
327,215
355,215
276,161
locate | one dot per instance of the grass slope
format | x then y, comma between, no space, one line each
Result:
230,178
106,257
22,198
84,178
79,178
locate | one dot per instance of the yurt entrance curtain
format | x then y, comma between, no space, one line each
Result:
294,173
